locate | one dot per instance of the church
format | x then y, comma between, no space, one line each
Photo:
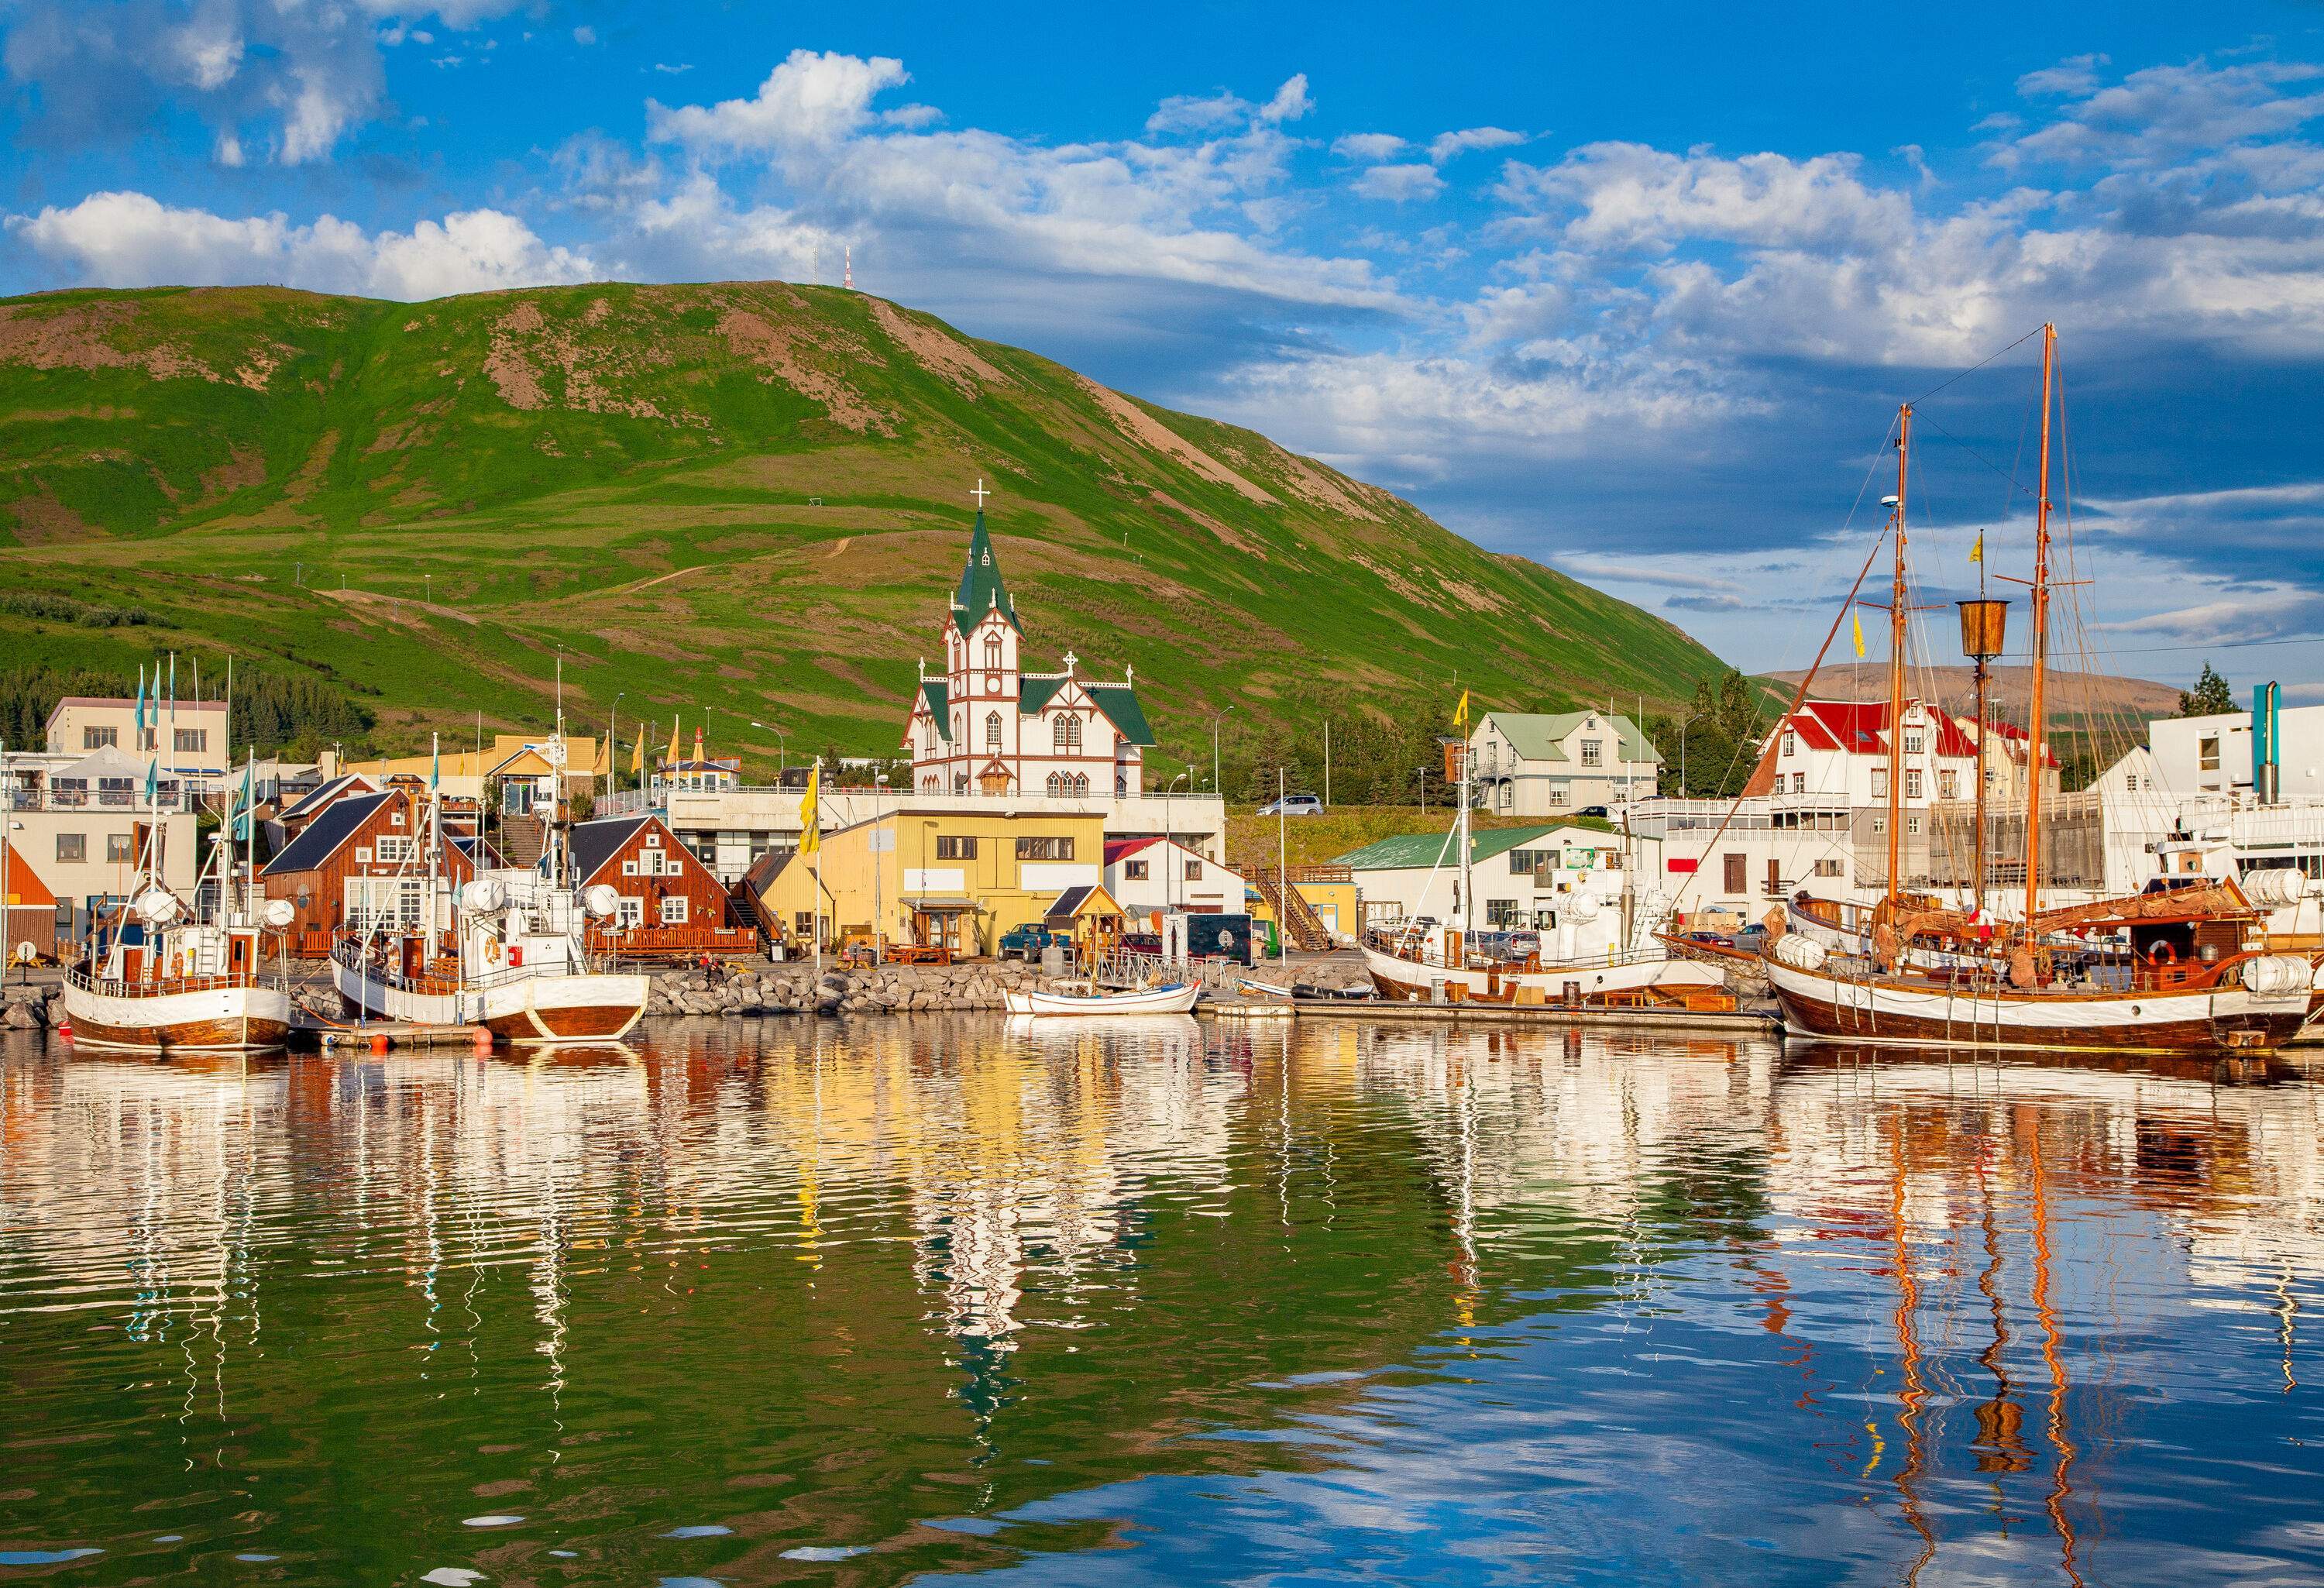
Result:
988,726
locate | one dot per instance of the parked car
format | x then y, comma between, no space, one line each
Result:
1752,939
1714,939
1293,805
1599,811
1028,942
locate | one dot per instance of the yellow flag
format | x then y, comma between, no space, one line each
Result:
1857,623
638,753
1977,552
810,818
1460,712
671,760
603,766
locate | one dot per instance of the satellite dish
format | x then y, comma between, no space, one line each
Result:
482,896
25,953
158,907
277,915
602,901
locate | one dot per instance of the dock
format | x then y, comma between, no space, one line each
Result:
307,1026
1740,1021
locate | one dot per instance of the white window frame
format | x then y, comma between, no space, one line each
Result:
630,912
673,909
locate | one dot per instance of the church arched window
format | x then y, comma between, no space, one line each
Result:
1056,784
1066,734
993,651
992,732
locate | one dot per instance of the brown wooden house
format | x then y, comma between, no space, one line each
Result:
359,863
672,906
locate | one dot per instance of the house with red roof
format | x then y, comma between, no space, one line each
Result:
1838,750
1146,875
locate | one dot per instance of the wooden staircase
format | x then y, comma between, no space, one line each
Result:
523,840
1300,922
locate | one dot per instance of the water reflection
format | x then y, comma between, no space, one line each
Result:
798,1300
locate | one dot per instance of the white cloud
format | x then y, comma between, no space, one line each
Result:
2077,74
1290,101
1629,196
127,239
1369,147
1188,113
585,35
1399,184
812,101
2163,113
1444,146
668,70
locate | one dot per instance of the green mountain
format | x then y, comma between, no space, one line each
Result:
749,497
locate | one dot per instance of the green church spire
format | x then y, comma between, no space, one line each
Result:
981,586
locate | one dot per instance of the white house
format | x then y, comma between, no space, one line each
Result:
1147,876
1567,880
2213,755
1734,858
987,726
1838,750
1543,763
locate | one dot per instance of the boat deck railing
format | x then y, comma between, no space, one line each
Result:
158,986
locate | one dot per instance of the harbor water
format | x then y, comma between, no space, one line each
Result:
1157,1301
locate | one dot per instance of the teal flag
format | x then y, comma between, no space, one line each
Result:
246,806
435,766
140,708
153,783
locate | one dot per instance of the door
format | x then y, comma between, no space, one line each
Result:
1775,878
1737,876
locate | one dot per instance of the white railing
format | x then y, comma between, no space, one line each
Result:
776,806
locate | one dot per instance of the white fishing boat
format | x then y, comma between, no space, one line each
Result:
1174,998
156,978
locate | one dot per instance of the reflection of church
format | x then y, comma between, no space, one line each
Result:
987,726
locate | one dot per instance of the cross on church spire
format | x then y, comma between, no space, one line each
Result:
980,493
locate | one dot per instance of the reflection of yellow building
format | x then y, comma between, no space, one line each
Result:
960,879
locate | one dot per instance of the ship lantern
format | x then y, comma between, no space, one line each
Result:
1984,624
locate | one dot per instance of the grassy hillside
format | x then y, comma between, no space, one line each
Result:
751,498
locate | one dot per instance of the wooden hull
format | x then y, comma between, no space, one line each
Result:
582,1007
1407,981
1154,1000
215,1020
1816,1004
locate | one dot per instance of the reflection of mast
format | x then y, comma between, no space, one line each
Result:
2000,1421
2062,1474
1915,1394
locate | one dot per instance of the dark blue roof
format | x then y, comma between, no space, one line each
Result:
595,843
324,834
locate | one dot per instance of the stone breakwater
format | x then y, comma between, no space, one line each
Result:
31,1009
796,989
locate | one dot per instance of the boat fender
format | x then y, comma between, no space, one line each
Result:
2276,975
1800,953
492,949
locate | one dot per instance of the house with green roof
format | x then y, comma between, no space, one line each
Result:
985,724
1551,763
1556,877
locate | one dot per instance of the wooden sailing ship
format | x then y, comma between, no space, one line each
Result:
2177,970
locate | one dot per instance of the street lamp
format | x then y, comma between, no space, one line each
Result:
1215,748
1682,748
782,744
1170,845
1422,769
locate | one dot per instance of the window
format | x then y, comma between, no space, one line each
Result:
803,922
100,738
1791,743
2130,782
1879,782
1193,871
1737,878
992,732
673,909
118,848
1913,743
955,848
1066,735
993,651
391,849
72,847
1056,785
381,901
1558,793
1912,826
193,739
1949,785
1799,782
1521,860
1593,752
1134,870
1045,848
1501,913
1912,782
2207,753
1879,824
630,912
1827,868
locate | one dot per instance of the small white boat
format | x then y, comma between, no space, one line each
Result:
1176,998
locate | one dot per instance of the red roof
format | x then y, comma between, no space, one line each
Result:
1860,727
1115,848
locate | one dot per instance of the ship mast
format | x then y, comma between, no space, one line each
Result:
1897,612
2040,647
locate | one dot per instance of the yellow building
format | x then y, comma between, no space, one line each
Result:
945,877
1331,892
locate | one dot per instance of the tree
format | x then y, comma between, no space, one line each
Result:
2209,697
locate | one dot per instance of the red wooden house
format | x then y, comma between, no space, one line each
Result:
359,863
672,906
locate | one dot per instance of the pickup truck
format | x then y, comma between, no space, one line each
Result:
1026,942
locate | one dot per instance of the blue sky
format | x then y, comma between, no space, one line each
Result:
1637,300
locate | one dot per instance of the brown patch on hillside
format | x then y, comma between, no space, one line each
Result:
81,337
951,361
524,344
245,466
779,349
1216,528
43,520
1151,433
1321,489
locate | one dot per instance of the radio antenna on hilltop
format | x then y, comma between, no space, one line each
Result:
847,268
